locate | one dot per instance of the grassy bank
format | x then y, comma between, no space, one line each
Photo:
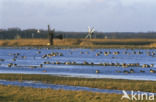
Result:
93,43
149,86
25,94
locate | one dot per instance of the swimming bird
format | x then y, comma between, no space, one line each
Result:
97,54
152,71
57,62
10,64
142,71
131,70
126,71
38,52
118,71
97,71
14,59
85,63
41,65
44,71
67,63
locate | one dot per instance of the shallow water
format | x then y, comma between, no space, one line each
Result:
79,55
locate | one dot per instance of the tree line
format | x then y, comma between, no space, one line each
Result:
34,33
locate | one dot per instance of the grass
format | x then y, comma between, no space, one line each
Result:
25,94
91,43
147,86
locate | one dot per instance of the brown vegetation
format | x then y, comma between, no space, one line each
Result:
92,43
21,94
25,94
147,86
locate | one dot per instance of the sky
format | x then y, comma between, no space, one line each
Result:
77,15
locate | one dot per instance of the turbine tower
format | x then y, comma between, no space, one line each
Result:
90,32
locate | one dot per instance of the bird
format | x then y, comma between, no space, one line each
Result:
152,71
44,71
142,71
118,71
125,71
131,70
97,71
41,65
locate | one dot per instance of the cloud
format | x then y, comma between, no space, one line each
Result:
75,15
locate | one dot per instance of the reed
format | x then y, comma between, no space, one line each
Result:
92,43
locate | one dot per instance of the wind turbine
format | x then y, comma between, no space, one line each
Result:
90,32
38,31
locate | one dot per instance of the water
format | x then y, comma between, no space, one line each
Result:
33,58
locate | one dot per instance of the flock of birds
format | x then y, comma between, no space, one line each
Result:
129,66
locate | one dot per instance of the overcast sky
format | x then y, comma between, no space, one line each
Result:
77,15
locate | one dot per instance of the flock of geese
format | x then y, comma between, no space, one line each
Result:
99,53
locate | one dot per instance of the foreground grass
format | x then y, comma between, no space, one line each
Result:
148,86
25,94
91,43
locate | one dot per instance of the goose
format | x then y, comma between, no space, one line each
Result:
134,52
38,52
87,52
151,65
97,54
47,62
14,65
57,62
14,59
131,70
145,66
105,64
23,57
85,63
142,71
67,63
97,71
106,53
125,71
60,54
81,52
44,71
100,52
118,71
41,65
152,71
124,65
32,66
92,63
73,63
10,64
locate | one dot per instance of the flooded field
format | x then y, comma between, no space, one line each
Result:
133,64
